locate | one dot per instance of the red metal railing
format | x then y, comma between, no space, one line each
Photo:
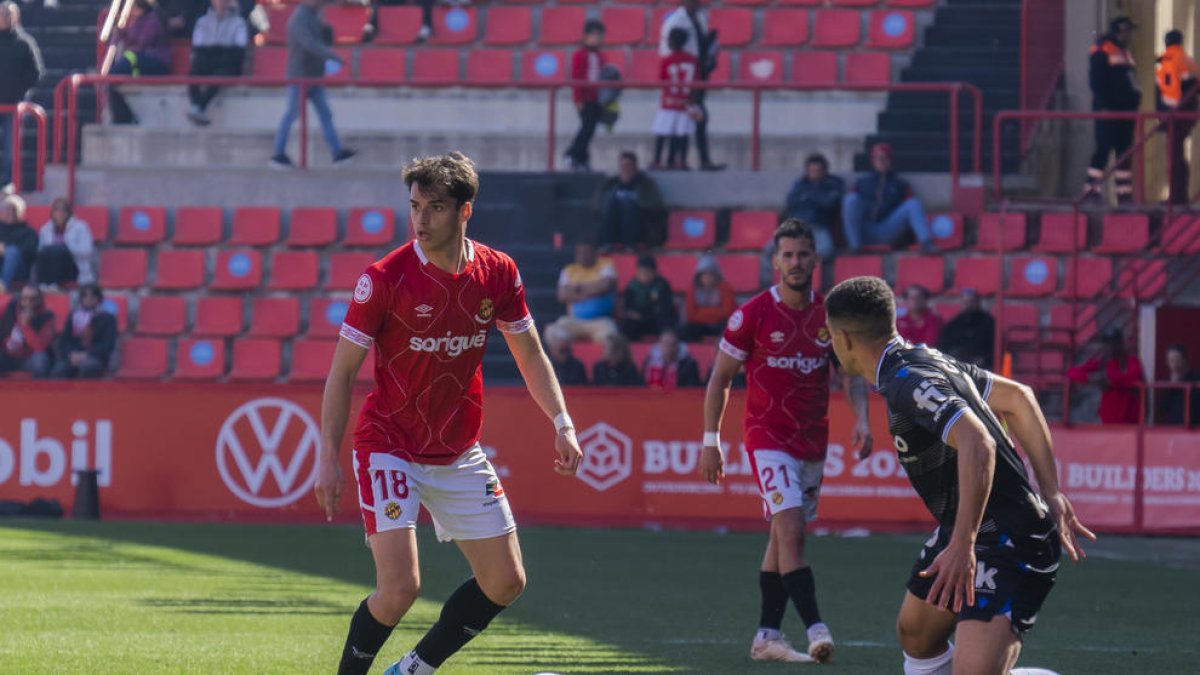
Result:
1042,61
69,87
21,110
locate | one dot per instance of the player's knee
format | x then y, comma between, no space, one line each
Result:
503,588
397,595
916,642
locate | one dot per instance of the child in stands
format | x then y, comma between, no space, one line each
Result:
675,120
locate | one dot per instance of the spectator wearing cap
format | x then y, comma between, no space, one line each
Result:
18,243
669,365
710,302
88,338
1172,401
970,336
882,208
66,250
919,325
586,63
1112,76
1176,77
1119,376
632,212
648,303
569,370
26,334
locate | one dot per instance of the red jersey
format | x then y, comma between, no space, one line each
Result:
679,69
429,329
787,354
585,65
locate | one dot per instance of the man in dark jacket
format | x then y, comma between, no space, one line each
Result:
18,243
648,302
1112,76
88,338
815,198
632,212
882,208
20,70
970,336
569,370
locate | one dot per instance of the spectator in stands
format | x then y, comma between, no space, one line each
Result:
882,208
65,248
669,366
1171,402
1119,376
1112,76
632,213
701,43
615,367
218,48
180,16
588,287
20,70
648,303
568,369
675,121
816,198
372,27
970,336
586,63
1178,78
18,243
143,50
919,325
27,332
710,302
88,339
309,57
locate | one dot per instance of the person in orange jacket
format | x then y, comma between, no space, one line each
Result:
1112,76
1176,77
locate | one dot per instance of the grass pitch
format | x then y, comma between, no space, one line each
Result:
230,599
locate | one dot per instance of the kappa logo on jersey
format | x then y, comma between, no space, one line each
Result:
800,362
392,510
927,397
735,320
362,289
423,311
453,345
485,311
268,436
607,456
823,336
777,336
985,577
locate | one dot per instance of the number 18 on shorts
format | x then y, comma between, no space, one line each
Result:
786,482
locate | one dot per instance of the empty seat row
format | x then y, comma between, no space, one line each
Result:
232,269
241,360
226,316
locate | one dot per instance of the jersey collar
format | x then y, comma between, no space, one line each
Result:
812,295
425,259
894,342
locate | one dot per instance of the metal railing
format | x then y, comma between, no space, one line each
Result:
20,111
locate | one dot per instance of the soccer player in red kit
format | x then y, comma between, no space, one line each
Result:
781,339
426,308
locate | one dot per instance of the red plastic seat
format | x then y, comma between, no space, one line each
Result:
311,360
141,225
278,15
1141,279
544,66
508,26
142,358
218,316
347,21
923,270
617,58
164,315
325,316
382,65
454,26
1095,275
588,354
270,63
255,226
890,29
741,271
909,3
837,28
981,273
868,68
37,215
645,65
1066,322
625,265
1181,236
375,226
1057,232
849,266
689,230
59,304
116,304
1124,233
624,25
345,269
678,270
803,3
562,25
784,27
735,25
724,69
658,16
397,26
180,270
277,317
1018,315
747,3
435,65
854,3
199,359
122,268
750,230
947,231
97,219
237,270
198,226
816,68
294,271
760,66
997,228
312,226
255,360
1032,277
490,65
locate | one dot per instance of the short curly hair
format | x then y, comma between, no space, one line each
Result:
864,306
453,173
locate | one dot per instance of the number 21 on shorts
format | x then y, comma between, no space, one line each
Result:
391,483
770,473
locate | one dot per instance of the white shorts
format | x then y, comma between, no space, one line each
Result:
673,123
785,482
465,498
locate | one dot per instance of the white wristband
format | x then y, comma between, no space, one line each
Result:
712,439
563,421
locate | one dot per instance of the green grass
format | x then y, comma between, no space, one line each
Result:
208,598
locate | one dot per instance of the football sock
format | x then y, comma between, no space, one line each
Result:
802,588
774,600
466,613
768,634
364,640
942,664
659,143
674,151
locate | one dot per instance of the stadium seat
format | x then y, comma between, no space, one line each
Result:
277,317
180,270
59,305
847,266
382,65
507,26
854,3
1032,277
947,310
836,28
374,226
1182,235
588,354
198,226
1057,232
294,271
998,228
735,25
345,72
1124,233
868,68
750,230
545,66
644,66
278,16
142,358
784,28
347,22
562,25
116,304
255,226
270,63
890,29
638,351
312,226
722,73
435,65
678,270
1039,362
199,359
704,353
490,65
397,26
618,58
802,3
947,231
255,360
624,25
164,315
237,270
691,229
765,67
1141,279
658,16
740,270
454,26
218,316
141,225
311,359
345,269
625,265
923,270
980,273
325,316
1021,323
909,3
1095,275
1066,322
748,3
122,267
815,68
37,215
97,219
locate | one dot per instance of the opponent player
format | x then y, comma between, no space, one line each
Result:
992,560
426,308
781,338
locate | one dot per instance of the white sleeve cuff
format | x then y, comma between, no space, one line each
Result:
950,425
519,326
356,336
733,351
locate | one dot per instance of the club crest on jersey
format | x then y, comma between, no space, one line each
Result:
777,336
823,336
485,311
362,289
735,320
494,488
776,498
423,311
392,510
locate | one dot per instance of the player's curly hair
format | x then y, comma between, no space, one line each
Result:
794,228
453,173
864,306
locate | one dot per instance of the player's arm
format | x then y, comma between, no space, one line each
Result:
335,411
539,378
712,462
1017,404
856,390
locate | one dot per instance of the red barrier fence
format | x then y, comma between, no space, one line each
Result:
21,110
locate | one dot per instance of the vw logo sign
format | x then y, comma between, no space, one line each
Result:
607,456
267,452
